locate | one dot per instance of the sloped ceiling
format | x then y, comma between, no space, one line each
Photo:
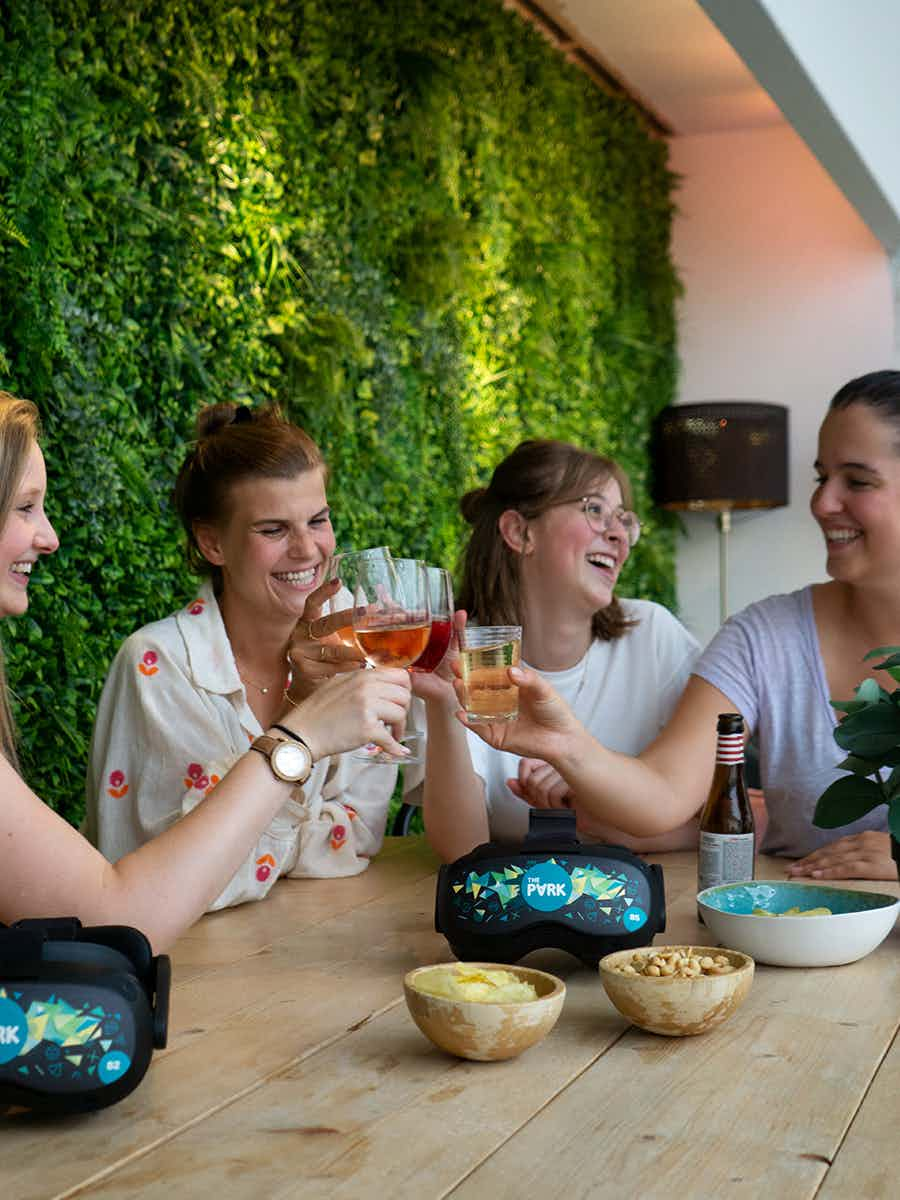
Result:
670,56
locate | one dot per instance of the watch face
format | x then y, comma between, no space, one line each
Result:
290,761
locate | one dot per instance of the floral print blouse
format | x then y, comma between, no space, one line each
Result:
172,720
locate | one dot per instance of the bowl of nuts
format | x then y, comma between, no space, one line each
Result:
677,990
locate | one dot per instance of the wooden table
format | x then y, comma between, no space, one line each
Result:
294,1069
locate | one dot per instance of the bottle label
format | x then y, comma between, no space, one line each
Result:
730,748
724,858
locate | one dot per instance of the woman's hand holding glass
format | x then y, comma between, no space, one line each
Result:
545,728
351,710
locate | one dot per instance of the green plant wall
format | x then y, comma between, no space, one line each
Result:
409,221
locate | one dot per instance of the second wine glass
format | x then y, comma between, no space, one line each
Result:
440,604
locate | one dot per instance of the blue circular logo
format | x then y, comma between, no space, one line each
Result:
13,1030
634,917
113,1066
546,886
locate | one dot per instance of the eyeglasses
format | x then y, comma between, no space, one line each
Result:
600,514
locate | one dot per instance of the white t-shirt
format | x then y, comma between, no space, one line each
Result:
623,692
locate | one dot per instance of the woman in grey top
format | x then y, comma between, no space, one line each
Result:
778,662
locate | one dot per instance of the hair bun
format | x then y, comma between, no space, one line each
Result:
472,503
213,418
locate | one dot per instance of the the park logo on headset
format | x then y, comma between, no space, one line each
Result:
546,886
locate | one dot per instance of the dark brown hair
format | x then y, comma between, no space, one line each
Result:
19,429
535,477
879,390
235,443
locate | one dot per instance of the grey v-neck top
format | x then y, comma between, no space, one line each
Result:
766,660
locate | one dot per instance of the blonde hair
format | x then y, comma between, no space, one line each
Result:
19,430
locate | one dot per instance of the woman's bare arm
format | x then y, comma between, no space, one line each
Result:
646,796
48,869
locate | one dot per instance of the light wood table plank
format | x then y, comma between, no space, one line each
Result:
867,1166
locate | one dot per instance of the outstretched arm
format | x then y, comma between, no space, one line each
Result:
644,796
48,869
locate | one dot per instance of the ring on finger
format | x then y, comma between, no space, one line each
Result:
322,650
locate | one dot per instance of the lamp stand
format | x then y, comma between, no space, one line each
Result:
724,522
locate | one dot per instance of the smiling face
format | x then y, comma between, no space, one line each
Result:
857,500
272,547
26,535
565,563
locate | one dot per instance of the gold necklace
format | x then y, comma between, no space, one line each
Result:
259,687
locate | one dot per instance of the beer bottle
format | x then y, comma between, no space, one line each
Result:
727,839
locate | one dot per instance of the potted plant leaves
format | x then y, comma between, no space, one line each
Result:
870,734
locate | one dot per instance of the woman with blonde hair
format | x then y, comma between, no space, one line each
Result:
550,536
49,869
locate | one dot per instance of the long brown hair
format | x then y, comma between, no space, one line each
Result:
536,476
19,429
236,443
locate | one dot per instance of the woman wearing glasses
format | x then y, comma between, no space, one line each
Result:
550,535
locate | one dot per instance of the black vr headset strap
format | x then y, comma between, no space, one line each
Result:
551,824
27,944
21,951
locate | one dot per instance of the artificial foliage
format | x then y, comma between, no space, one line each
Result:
410,222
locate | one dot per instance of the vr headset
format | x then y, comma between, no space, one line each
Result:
500,902
81,1011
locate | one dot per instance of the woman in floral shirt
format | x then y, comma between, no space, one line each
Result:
186,695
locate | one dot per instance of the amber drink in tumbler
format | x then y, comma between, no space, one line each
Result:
486,653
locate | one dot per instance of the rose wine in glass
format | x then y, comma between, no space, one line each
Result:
391,616
440,596
346,568
391,621
392,645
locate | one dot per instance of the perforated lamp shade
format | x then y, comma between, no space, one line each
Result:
721,455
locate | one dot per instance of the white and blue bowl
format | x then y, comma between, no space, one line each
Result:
860,921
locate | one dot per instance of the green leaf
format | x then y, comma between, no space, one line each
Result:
859,766
870,732
892,651
846,800
868,691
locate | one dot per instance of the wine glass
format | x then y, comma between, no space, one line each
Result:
391,615
391,622
440,603
346,567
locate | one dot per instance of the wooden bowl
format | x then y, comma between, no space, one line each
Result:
671,1005
486,1032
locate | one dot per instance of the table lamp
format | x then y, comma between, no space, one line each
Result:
720,456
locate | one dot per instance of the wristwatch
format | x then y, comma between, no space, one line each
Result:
291,761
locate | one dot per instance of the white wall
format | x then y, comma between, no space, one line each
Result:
787,296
